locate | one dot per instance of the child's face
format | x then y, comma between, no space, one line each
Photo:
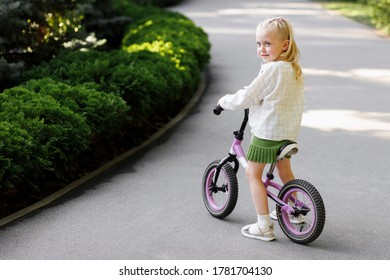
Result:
269,45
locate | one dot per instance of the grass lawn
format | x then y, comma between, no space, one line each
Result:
357,11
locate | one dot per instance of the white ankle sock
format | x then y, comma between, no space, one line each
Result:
263,221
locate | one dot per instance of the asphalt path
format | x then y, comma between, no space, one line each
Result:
150,206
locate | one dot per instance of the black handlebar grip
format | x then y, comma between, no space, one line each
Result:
217,110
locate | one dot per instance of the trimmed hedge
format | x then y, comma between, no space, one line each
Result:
156,73
105,113
60,133
149,83
167,35
22,158
54,124
82,105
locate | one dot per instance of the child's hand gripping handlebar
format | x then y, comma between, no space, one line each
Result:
217,110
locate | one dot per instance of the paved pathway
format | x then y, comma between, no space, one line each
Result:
150,207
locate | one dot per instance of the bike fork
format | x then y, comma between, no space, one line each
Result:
230,158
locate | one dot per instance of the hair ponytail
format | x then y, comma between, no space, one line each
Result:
285,31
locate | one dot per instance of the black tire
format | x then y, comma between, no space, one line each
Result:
314,221
227,194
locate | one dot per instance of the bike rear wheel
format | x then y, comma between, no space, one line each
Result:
307,226
220,199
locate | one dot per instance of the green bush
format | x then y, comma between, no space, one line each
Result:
22,158
169,28
47,125
105,113
58,130
148,82
157,72
73,106
166,32
75,68
375,13
381,14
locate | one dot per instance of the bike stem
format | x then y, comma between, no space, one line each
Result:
235,149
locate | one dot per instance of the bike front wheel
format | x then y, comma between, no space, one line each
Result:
220,199
308,221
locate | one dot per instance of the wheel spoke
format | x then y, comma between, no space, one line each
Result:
309,219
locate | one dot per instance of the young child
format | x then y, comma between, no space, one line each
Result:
276,100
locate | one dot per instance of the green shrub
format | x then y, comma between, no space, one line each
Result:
75,68
374,13
61,132
148,82
46,125
381,14
105,113
22,158
157,72
79,101
167,33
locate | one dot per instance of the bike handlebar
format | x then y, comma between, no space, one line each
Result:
238,133
217,110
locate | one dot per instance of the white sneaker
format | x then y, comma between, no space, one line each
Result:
294,220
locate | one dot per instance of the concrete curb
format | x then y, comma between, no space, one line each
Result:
56,195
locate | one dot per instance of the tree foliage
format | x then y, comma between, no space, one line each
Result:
381,14
32,31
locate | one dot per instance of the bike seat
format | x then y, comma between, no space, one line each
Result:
287,149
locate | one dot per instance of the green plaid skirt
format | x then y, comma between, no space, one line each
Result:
264,151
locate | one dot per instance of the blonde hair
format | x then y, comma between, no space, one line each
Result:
285,31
